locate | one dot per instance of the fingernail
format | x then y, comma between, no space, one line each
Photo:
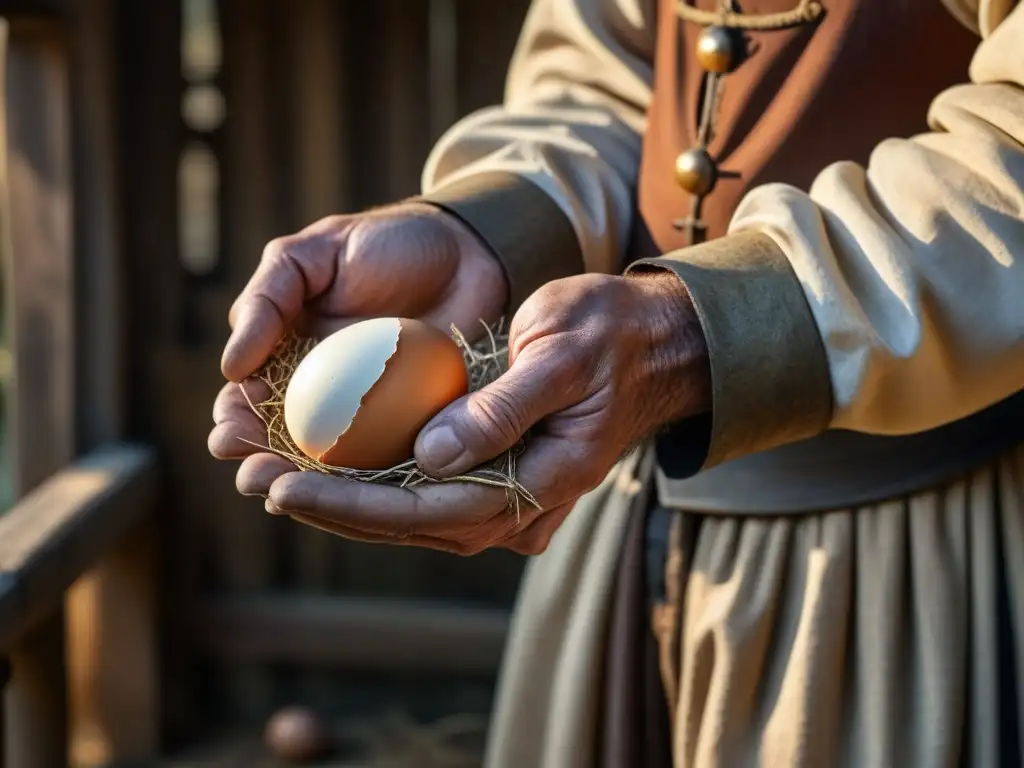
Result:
271,507
441,448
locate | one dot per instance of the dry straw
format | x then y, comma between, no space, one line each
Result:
485,361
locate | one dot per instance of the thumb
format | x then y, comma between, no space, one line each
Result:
484,424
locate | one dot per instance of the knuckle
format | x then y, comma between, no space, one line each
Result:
565,364
275,249
333,222
554,295
365,238
499,414
536,309
546,294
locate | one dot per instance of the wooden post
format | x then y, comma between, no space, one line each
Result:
37,240
444,67
5,678
112,665
35,725
112,657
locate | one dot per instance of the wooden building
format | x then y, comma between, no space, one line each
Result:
147,611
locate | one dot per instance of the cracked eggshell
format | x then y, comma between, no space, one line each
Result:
361,396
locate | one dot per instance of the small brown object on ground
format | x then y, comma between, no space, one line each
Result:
297,735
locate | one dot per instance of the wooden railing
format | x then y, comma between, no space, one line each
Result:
49,539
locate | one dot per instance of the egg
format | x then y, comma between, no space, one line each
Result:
361,396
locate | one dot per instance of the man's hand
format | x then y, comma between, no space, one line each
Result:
597,364
408,260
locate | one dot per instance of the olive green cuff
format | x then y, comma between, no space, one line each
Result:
769,373
526,230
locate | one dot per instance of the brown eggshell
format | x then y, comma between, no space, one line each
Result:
394,375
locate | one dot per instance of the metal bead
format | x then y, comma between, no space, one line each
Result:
696,172
717,49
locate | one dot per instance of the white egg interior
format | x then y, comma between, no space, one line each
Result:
329,384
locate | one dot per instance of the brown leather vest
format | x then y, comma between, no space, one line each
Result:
802,98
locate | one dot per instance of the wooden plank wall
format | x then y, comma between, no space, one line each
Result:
331,106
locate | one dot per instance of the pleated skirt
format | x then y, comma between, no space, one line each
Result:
889,635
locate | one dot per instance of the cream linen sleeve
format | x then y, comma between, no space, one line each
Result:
887,299
548,178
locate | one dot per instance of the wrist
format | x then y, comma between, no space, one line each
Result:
484,271
677,351
526,230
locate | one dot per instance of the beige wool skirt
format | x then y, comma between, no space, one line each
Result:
890,635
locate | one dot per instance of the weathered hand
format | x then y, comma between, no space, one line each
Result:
407,260
597,363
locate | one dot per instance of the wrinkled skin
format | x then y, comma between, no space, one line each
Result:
597,363
409,260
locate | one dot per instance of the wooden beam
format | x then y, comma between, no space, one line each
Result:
149,136
404,64
487,39
359,634
101,336
253,46
110,611
316,96
444,66
11,8
56,532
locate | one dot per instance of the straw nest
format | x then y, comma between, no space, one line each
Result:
485,360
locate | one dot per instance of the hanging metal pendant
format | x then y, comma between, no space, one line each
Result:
718,49
696,172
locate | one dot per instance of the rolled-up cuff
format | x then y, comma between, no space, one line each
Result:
529,234
769,373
